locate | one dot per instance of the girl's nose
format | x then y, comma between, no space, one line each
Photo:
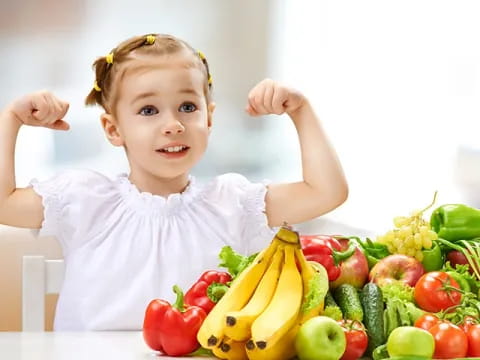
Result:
173,127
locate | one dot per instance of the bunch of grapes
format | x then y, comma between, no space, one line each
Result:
411,234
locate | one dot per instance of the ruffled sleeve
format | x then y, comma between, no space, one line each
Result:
245,203
67,199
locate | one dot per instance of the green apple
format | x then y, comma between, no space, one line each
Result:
410,341
320,338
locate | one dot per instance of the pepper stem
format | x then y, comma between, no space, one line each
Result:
339,256
179,304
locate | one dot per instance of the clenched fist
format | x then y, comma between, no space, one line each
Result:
40,109
270,97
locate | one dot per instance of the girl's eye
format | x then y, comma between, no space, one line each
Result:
148,110
187,107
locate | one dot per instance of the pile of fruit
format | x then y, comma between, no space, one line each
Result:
412,293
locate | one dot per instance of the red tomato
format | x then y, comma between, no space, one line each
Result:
435,291
450,341
473,336
427,321
357,339
467,322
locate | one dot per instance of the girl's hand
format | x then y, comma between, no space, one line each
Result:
270,97
40,109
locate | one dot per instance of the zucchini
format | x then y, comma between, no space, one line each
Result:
348,300
372,303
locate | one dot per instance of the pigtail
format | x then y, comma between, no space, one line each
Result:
97,94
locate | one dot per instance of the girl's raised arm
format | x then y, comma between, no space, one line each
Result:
324,186
23,207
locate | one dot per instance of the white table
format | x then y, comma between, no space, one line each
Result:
77,346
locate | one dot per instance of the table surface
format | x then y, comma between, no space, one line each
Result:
77,345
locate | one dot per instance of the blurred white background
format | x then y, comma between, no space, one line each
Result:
396,85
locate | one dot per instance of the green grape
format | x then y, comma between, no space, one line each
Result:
432,235
391,249
389,236
400,221
424,229
419,255
405,231
427,243
397,242
410,242
418,241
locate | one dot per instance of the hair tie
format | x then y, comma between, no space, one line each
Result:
201,55
109,58
150,39
210,80
96,87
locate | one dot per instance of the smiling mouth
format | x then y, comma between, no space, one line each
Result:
173,149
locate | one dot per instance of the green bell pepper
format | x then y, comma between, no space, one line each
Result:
432,258
456,222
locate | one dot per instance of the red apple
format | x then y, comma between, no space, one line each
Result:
397,267
457,258
354,270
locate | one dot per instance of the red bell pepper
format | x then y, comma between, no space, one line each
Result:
326,250
172,329
208,289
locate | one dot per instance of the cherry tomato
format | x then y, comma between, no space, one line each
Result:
473,336
357,339
435,291
450,341
427,321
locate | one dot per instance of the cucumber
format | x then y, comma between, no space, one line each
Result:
372,303
329,300
348,300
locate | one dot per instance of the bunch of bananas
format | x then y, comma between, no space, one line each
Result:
259,316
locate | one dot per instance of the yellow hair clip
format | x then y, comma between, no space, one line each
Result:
96,87
109,58
150,39
210,80
201,55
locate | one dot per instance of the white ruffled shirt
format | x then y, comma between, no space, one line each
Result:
123,248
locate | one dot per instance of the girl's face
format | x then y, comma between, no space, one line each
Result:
161,116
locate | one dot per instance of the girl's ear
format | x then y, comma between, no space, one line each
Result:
211,109
110,126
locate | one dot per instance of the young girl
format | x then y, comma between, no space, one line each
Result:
129,239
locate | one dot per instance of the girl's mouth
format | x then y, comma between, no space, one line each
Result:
173,152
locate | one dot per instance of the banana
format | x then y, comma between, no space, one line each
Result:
238,323
282,311
310,270
283,348
242,288
286,234
230,350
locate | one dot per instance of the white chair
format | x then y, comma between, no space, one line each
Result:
39,277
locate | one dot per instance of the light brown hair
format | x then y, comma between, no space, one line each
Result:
105,73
